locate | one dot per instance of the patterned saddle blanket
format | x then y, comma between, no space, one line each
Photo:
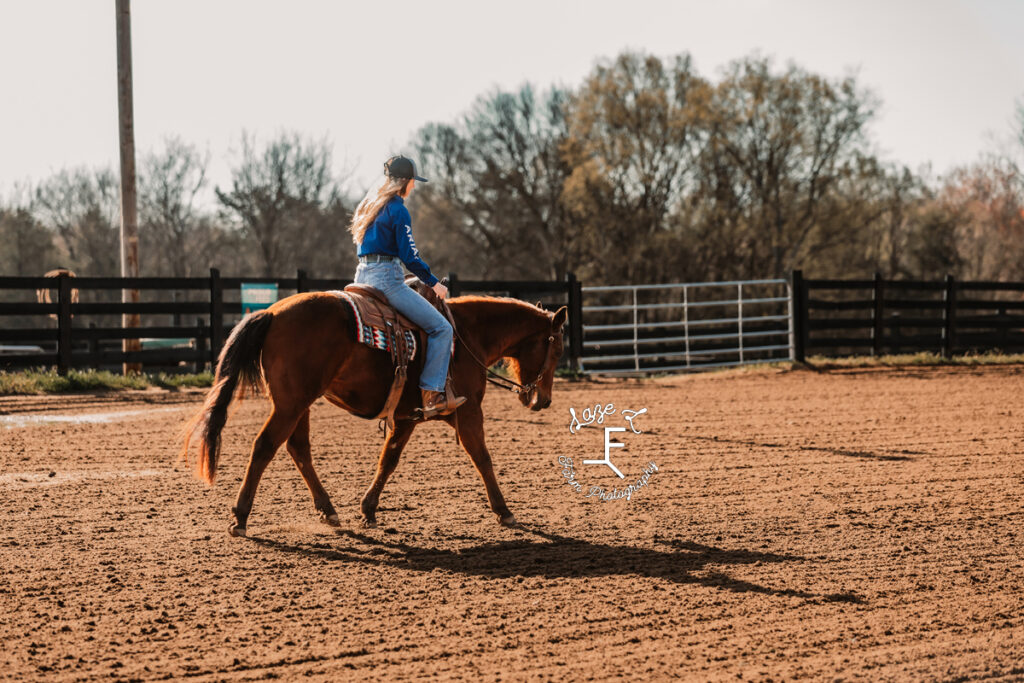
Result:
377,322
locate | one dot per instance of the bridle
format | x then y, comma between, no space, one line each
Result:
511,384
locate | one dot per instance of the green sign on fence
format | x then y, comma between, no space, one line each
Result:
257,296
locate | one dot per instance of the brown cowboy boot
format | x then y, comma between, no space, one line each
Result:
440,402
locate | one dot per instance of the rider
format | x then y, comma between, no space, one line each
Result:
381,227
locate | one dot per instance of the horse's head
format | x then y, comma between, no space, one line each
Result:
536,357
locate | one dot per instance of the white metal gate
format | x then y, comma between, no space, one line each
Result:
701,325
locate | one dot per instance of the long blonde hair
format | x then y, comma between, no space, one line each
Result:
372,203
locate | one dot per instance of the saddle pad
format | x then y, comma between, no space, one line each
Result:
375,337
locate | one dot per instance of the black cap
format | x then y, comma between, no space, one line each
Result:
402,168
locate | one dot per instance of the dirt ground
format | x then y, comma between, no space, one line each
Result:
857,524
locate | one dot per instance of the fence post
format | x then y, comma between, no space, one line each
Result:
300,282
797,315
575,321
636,347
686,322
878,322
94,348
453,284
896,343
63,323
216,316
739,317
200,346
949,326
1004,330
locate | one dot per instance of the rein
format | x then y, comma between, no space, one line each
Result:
511,385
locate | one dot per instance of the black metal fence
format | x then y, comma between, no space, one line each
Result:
878,316
185,320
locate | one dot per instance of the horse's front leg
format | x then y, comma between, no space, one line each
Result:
471,434
389,454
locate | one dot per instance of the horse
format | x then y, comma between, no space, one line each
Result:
304,347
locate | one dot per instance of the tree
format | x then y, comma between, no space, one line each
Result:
876,220
636,127
496,183
286,202
171,225
780,147
987,201
81,207
28,245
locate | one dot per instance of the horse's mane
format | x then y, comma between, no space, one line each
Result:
429,295
478,298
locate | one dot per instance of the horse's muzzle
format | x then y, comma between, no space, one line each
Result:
538,403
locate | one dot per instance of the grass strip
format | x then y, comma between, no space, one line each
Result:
47,381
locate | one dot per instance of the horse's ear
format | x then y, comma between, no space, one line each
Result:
539,304
560,316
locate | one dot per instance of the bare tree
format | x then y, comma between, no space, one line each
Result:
170,219
28,248
788,141
277,194
81,206
636,128
986,199
496,183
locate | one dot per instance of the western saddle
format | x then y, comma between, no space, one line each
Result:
380,326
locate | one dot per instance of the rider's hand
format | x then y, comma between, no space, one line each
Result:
441,291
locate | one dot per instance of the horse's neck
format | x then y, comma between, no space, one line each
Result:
494,325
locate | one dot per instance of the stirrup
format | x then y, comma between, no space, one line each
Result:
446,405
450,398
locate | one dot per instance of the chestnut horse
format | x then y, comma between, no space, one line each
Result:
304,347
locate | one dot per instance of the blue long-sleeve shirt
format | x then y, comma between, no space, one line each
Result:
391,234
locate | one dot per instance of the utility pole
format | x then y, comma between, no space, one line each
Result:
129,212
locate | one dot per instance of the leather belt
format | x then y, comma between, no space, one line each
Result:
377,258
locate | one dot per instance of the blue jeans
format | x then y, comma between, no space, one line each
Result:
390,279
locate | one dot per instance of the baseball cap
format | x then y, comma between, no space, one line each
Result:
402,167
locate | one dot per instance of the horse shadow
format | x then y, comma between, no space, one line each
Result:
866,455
551,556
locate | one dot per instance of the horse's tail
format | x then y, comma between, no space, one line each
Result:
239,360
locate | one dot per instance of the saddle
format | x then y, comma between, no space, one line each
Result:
376,319
380,326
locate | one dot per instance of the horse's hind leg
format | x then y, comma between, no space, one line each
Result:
389,455
277,428
298,448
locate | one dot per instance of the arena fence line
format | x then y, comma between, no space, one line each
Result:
620,329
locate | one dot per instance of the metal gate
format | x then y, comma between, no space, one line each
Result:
686,326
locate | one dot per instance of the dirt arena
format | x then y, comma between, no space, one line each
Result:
856,524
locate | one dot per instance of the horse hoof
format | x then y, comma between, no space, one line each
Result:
330,520
507,520
369,524
237,531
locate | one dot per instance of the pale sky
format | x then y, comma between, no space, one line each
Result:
367,75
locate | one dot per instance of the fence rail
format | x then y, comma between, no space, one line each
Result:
902,316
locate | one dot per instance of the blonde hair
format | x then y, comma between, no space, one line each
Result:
372,203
